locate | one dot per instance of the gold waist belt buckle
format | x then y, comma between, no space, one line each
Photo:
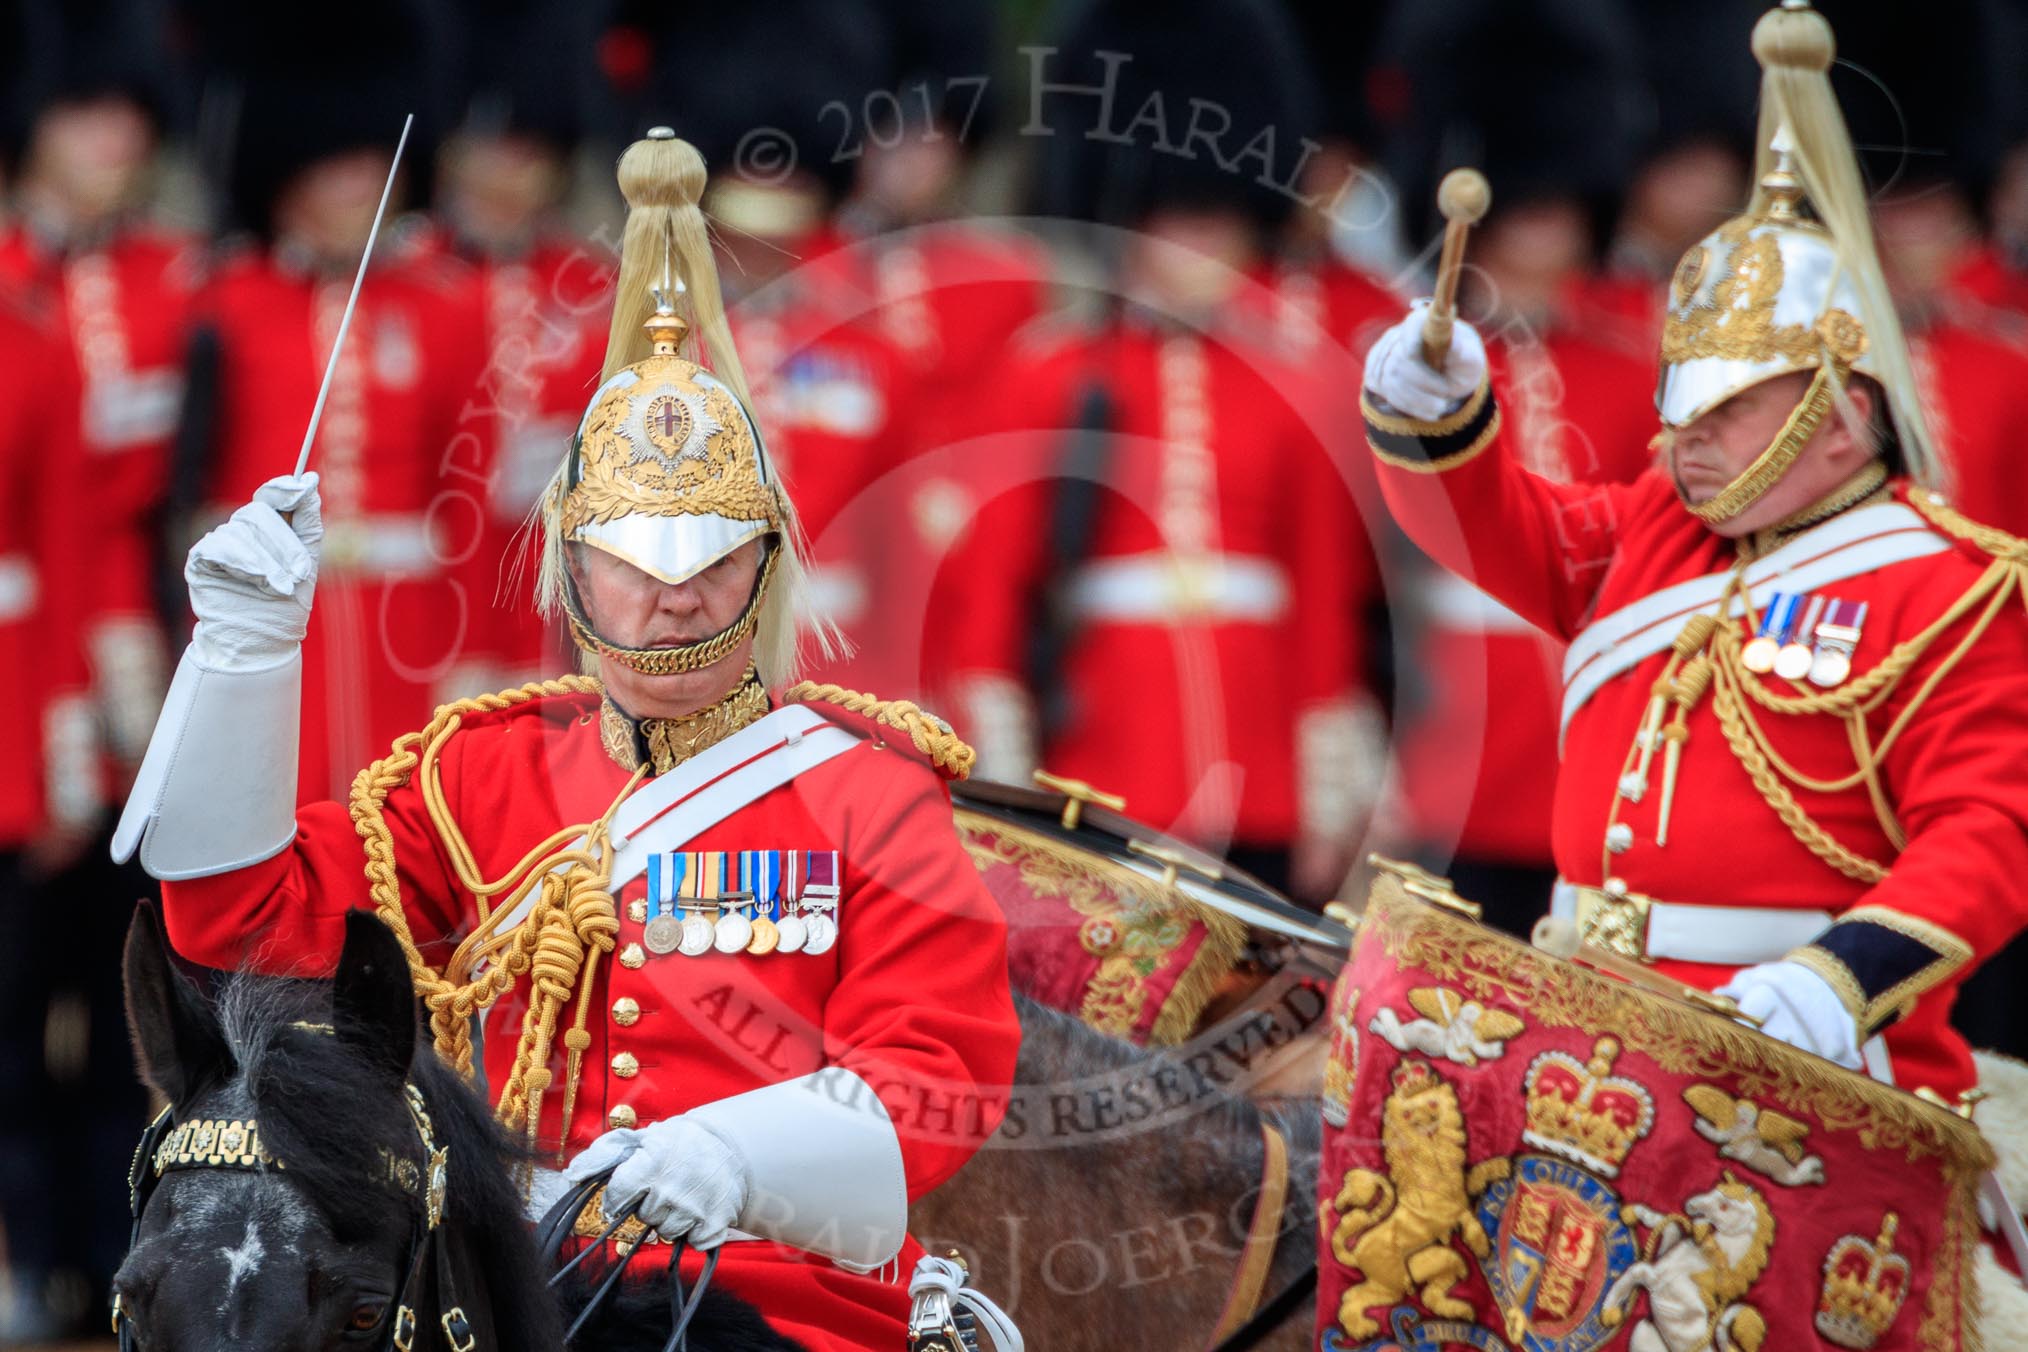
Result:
1614,919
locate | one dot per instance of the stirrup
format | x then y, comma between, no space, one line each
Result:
945,1314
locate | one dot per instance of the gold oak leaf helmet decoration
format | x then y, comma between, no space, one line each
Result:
668,471
1795,283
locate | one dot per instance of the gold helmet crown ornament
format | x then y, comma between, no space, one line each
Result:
1794,284
668,471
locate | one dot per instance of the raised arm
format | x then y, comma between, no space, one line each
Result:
1538,547
246,879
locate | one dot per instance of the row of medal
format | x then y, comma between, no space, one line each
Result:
739,901
1806,637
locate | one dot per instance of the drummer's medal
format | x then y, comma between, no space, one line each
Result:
663,931
1775,623
734,930
1792,663
763,870
820,901
1837,638
699,894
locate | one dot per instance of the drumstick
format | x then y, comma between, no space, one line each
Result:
1559,939
1462,197
345,322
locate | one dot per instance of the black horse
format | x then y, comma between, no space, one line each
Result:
298,1221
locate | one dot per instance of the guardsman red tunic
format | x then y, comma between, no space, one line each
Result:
947,298
1208,626
548,309
912,997
124,304
394,615
1972,372
1477,752
1892,890
46,534
835,395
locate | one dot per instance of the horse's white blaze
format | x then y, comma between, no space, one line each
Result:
242,1260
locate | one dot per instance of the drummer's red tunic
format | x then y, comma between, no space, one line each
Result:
913,998
1563,555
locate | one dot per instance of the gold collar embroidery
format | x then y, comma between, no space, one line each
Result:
665,743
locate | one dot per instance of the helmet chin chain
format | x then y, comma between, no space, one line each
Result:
1767,469
672,661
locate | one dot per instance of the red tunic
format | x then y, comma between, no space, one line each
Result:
1974,388
44,525
396,613
913,998
125,307
1563,555
834,397
1220,600
1477,754
548,310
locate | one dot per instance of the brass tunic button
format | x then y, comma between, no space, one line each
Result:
622,1116
626,1066
626,1011
637,910
632,956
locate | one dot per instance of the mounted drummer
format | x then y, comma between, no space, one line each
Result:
719,927
1793,709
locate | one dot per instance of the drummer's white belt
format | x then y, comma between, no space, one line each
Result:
1642,928
17,587
1166,588
1450,602
1852,543
1647,930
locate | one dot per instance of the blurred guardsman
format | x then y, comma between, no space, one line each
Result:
502,176
122,289
1792,723
1167,596
838,395
407,407
1531,86
771,984
55,798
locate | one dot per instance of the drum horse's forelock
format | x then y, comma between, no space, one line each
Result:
1094,1238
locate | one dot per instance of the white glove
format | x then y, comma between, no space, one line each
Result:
692,1183
1397,373
251,578
1799,1007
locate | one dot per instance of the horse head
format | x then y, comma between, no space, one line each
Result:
288,1204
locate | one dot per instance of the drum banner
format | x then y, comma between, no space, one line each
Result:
1521,1154
1092,936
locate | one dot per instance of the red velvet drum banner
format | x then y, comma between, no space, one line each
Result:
1523,1154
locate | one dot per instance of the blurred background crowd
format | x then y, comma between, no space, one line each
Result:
1054,314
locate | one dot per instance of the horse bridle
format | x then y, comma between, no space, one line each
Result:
235,1143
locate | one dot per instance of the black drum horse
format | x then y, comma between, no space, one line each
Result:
319,1184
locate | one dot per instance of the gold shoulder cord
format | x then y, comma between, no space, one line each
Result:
930,735
1708,656
570,924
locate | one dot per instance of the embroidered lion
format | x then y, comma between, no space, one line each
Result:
1698,1266
1395,1228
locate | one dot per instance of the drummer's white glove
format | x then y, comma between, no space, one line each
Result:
691,1181
252,577
1397,373
1800,1008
